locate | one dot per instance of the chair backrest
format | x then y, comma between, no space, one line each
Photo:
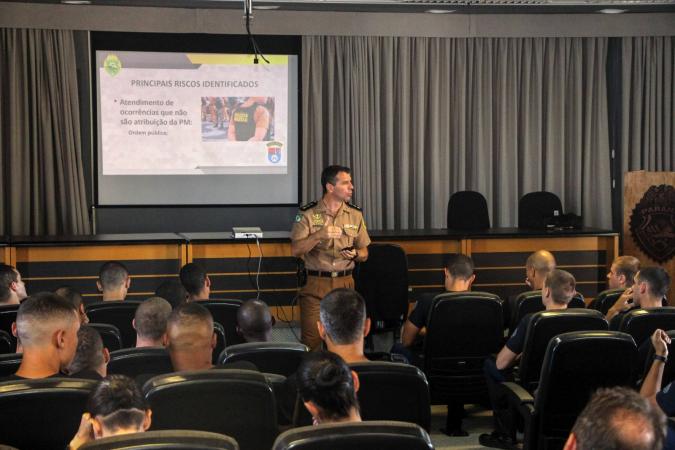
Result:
7,317
543,327
110,335
282,358
9,363
133,362
372,435
606,300
467,210
6,343
536,208
224,311
238,403
221,341
669,367
641,323
119,314
382,280
576,364
530,302
164,440
393,391
42,413
463,329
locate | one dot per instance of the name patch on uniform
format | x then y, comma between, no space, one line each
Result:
317,219
350,226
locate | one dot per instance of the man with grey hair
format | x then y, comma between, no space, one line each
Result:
150,322
47,326
343,324
618,419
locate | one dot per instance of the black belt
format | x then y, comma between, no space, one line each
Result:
318,273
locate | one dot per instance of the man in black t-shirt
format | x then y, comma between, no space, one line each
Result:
558,290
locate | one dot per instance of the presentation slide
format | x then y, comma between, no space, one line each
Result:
196,128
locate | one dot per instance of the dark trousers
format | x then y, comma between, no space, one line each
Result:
502,415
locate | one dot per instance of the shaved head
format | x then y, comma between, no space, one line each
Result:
190,327
254,320
40,316
542,261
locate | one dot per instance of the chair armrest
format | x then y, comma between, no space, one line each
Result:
517,394
522,402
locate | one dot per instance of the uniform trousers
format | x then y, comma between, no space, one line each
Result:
310,296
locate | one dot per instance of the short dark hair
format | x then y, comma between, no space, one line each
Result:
118,403
151,317
193,276
172,291
343,314
627,266
112,275
601,425
89,353
330,173
562,285
254,319
325,379
38,312
8,275
657,278
459,265
71,295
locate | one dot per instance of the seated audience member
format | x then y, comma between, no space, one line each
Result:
150,322
459,276
254,321
650,286
47,326
116,406
172,291
343,324
12,287
91,357
622,273
74,298
195,281
191,340
538,265
559,288
113,281
664,398
617,419
328,387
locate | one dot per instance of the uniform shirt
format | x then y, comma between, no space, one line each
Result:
516,342
325,256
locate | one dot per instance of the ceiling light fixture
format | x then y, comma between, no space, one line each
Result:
612,11
439,11
76,2
266,7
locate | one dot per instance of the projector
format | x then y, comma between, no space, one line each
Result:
247,233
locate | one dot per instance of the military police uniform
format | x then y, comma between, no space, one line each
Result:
326,268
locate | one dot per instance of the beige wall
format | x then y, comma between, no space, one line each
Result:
219,21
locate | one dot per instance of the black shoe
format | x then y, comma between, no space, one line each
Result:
458,432
496,440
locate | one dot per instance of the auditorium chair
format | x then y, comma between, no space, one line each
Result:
6,343
119,314
531,302
543,327
575,365
468,210
282,358
133,362
463,329
164,440
393,391
606,300
7,317
221,341
224,311
382,280
536,209
641,323
9,363
372,435
669,366
110,335
44,413
237,403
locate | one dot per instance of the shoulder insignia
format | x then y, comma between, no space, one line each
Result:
308,206
351,205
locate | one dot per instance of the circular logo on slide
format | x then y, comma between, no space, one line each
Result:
112,65
274,151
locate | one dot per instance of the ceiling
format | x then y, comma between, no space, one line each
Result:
409,6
